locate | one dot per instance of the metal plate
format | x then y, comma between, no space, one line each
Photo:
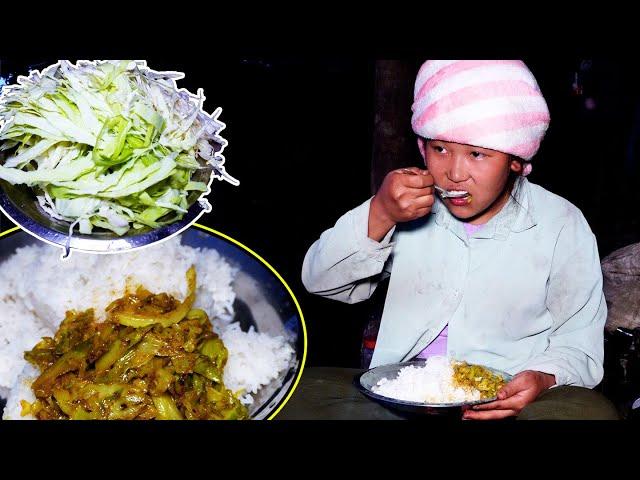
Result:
262,301
19,203
367,380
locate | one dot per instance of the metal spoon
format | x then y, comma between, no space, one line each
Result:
443,193
447,194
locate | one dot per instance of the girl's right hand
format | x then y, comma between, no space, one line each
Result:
405,194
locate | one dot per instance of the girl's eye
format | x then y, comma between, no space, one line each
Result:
477,154
438,148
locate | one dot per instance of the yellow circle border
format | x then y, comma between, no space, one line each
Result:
295,300
7,232
273,270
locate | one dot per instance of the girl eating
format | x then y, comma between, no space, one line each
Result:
485,266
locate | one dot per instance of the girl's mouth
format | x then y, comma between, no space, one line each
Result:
456,197
461,201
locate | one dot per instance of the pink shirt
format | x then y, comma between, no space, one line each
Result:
439,345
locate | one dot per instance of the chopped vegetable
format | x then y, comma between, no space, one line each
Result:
168,367
478,377
155,309
109,144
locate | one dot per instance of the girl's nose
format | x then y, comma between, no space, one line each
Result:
458,169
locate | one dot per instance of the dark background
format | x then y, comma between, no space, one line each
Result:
309,139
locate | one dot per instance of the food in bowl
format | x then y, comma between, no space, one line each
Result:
441,380
152,358
109,146
32,307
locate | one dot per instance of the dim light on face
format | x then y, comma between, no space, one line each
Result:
481,172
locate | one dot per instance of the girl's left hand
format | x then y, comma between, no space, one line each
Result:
523,389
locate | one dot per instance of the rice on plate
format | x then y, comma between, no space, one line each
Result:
440,380
37,288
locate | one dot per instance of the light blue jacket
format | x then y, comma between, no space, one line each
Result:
522,293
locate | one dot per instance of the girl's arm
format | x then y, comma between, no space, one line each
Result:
344,263
575,298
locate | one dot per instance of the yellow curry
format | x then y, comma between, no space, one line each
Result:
152,358
474,376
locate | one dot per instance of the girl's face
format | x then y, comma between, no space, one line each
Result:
481,172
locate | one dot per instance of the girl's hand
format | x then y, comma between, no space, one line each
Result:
405,194
523,389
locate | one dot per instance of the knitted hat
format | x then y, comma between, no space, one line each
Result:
494,104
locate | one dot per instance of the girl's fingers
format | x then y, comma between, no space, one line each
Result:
496,405
424,201
421,212
488,415
413,171
506,404
417,181
420,192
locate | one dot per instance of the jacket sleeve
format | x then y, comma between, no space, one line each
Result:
575,299
344,264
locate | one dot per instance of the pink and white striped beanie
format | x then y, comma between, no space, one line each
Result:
493,104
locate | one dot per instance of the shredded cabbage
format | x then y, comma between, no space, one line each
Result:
109,144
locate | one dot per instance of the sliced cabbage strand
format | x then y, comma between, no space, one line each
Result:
109,144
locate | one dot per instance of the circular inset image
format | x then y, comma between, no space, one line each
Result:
195,327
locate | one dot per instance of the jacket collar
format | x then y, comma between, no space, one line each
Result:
517,215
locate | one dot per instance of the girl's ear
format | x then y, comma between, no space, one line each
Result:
422,146
515,165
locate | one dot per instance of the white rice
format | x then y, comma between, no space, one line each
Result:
264,356
37,288
21,391
432,383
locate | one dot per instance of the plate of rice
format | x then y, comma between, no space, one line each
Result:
250,309
437,385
